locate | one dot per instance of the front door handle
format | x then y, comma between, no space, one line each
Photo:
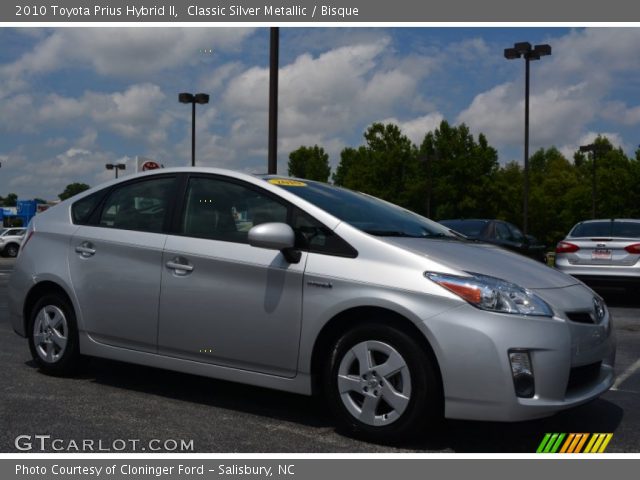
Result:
85,249
180,266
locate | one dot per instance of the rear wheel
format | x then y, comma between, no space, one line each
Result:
53,335
382,385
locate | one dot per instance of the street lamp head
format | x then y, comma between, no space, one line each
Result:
511,53
109,166
522,47
593,147
201,98
185,97
587,148
121,166
542,50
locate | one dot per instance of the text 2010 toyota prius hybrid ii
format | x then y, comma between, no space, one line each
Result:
309,288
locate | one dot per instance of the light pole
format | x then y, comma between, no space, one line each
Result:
594,148
116,167
200,98
524,49
274,48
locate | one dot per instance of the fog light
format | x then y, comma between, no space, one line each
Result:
522,373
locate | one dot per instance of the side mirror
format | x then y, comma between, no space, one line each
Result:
275,236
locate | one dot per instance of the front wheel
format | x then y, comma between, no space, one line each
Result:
11,250
382,385
53,335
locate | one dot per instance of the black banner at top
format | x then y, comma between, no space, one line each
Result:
313,11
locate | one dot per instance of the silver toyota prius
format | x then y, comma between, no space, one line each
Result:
305,287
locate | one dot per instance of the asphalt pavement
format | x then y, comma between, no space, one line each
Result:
122,407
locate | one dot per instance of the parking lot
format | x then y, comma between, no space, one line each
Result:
110,400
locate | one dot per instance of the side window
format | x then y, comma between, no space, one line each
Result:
313,236
516,234
82,209
138,206
222,210
502,231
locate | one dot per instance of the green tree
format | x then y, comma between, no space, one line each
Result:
460,173
309,162
11,200
73,189
552,180
386,166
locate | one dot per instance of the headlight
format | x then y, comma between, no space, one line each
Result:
494,294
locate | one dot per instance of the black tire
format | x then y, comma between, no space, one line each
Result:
11,250
62,361
423,410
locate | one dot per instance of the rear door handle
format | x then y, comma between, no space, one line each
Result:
180,266
85,249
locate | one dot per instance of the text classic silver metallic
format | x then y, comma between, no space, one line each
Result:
309,288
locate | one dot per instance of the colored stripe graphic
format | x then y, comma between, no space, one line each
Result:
574,443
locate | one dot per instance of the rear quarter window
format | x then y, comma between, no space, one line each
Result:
82,209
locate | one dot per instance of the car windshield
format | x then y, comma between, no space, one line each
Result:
367,213
607,228
470,228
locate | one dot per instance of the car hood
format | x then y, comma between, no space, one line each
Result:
486,259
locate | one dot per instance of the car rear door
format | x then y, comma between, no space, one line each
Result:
115,262
223,301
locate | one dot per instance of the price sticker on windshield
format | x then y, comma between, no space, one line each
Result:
284,182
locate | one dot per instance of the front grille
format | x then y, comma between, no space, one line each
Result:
580,317
582,376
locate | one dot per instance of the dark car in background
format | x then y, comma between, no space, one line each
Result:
602,253
499,232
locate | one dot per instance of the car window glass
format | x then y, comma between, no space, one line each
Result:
516,234
313,236
369,214
592,229
138,206
222,210
502,232
469,228
626,229
82,209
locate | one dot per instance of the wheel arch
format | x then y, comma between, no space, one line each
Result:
356,316
38,291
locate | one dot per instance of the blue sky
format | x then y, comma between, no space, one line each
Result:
73,99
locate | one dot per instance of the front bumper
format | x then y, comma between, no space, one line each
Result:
572,362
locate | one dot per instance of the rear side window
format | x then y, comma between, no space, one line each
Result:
140,206
82,209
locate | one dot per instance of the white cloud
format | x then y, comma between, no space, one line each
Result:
124,52
139,112
587,138
417,128
619,113
322,98
569,91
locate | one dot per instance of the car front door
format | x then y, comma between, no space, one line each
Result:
115,263
223,301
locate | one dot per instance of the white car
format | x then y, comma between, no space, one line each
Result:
10,241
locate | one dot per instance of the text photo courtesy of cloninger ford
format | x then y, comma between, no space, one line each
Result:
319,240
